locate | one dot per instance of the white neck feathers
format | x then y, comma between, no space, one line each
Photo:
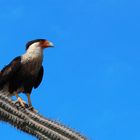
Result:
33,52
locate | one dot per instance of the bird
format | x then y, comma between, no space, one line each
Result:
25,72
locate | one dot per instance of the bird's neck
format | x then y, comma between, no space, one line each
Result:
33,54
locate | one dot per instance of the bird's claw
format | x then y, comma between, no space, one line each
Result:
32,109
20,102
23,104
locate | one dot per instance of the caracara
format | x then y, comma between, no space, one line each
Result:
24,72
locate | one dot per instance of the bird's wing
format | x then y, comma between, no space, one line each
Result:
39,77
10,70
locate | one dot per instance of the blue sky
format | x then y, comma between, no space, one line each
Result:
92,80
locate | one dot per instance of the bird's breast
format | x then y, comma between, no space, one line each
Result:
31,65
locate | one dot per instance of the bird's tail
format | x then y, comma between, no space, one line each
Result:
1,81
0,77
3,85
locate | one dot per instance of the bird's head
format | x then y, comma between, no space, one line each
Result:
39,43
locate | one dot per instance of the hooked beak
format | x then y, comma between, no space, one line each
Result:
47,44
50,44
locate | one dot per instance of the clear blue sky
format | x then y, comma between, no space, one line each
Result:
92,76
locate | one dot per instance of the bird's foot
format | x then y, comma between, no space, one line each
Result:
32,109
21,102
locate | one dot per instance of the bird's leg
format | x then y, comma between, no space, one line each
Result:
22,103
30,103
29,100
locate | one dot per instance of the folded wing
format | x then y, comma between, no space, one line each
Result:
10,70
39,77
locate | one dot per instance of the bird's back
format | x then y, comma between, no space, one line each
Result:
20,75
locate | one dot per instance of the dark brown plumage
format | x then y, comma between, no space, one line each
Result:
25,72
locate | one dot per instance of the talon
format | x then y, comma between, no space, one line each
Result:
20,102
32,109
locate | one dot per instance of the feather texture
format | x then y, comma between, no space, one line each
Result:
21,77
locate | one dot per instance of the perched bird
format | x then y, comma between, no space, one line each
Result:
24,72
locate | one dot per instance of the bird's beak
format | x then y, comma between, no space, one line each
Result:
46,44
50,44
